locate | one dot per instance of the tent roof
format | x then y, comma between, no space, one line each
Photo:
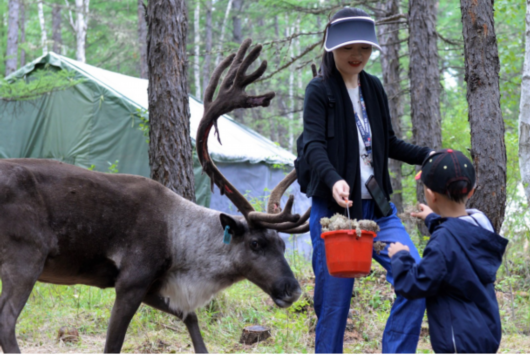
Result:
240,143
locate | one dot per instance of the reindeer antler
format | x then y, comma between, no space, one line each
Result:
232,95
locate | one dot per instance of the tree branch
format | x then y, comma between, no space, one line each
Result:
307,50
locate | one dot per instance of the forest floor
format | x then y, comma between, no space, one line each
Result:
88,310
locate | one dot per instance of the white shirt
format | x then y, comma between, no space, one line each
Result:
365,167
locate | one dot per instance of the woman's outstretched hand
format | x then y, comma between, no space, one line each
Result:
341,193
395,247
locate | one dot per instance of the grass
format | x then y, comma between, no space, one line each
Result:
222,320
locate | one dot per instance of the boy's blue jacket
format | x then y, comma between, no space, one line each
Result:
456,277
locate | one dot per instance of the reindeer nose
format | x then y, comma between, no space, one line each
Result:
286,292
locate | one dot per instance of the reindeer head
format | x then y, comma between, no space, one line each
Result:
261,259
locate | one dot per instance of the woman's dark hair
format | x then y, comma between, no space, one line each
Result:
328,63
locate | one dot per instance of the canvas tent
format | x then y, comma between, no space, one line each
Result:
97,123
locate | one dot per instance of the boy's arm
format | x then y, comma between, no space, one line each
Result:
418,280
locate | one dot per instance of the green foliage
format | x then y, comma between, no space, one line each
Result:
113,167
43,81
142,115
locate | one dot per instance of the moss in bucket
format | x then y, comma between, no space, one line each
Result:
340,222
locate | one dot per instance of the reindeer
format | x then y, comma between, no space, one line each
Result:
67,225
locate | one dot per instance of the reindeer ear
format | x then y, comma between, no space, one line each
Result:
236,227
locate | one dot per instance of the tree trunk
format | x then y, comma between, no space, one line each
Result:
56,28
12,37
142,39
196,65
424,80
221,37
524,114
22,29
236,21
485,116
388,36
44,36
207,45
290,116
170,149
80,31
237,36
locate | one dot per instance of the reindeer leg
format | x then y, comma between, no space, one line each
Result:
192,323
130,290
20,268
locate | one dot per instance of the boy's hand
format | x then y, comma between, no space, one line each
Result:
425,211
395,247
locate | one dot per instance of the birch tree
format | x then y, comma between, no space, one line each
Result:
170,149
80,27
22,30
44,36
222,35
12,37
524,113
485,116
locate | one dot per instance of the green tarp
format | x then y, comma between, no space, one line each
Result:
97,123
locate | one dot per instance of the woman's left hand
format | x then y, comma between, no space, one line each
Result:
395,247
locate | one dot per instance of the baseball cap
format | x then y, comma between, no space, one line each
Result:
349,30
444,167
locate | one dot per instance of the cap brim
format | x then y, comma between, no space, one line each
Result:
350,30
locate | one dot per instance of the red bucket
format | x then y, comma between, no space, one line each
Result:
348,255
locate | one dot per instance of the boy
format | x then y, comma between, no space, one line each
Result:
457,272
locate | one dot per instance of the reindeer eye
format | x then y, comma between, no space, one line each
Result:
254,244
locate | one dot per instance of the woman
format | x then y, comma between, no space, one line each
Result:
342,157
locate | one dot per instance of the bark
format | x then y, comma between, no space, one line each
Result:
207,45
170,149
275,134
237,36
424,79
142,39
196,65
236,21
388,36
299,76
44,36
221,37
485,116
56,29
290,116
22,29
12,37
524,114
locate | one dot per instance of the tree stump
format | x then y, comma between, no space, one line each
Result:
68,335
254,334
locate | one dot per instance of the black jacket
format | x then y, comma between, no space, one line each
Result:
337,158
456,276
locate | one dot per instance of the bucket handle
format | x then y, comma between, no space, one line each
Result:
348,214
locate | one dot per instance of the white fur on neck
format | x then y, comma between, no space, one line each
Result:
186,292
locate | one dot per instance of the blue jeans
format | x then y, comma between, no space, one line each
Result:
333,295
